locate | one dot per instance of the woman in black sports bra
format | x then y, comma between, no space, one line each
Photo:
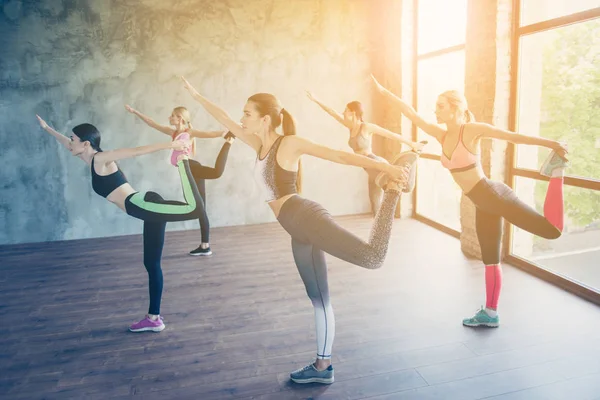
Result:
109,182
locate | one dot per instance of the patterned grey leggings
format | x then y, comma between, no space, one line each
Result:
314,233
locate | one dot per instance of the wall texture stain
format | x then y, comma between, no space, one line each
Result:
75,61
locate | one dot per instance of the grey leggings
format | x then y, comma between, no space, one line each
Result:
314,233
375,192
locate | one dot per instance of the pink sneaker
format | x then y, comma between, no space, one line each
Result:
176,153
148,324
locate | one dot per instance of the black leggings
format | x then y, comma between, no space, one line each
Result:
152,207
494,201
200,174
154,241
156,212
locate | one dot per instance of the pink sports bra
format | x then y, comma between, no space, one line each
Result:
461,159
184,135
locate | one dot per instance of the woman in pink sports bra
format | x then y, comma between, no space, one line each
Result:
182,130
361,133
493,200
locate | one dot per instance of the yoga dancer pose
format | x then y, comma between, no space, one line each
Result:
108,181
361,133
493,200
182,130
311,227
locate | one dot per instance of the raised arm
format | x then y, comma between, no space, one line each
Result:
377,130
222,117
484,130
149,121
206,134
329,110
304,146
106,157
62,139
410,113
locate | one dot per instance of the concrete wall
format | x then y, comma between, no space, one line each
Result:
73,61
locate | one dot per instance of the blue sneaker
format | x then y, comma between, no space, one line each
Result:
310,374
482,319
553,162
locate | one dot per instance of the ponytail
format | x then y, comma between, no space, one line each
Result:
88,133
469,117
288,126
193,139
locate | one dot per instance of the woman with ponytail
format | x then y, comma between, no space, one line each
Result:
311,227
361,134
109,182
180,122
494,201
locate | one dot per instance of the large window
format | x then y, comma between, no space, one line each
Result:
558,91
439,66
435,31
576,254
534,11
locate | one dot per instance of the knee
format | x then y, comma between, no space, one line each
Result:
152,266
554,234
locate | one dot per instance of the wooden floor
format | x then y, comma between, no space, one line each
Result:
240,321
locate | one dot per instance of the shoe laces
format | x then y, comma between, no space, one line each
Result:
306,368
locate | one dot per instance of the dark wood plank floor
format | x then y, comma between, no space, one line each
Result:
240,321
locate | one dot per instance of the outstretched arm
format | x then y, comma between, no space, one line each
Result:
410,113
305,146
377,130
490,131
222,117
329,110
149,121
106,157
206,134
62,139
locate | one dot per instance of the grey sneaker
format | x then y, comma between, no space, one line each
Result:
310,374
408,158
553,162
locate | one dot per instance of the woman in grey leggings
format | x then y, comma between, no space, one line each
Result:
361,135
313,230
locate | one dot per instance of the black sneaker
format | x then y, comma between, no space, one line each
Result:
201,252
229,135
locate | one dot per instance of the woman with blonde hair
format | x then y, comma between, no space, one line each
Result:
460,136
181,129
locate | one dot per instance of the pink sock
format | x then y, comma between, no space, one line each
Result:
493,284
553,206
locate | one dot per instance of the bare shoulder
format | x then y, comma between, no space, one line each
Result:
103,163
293,141
473,130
